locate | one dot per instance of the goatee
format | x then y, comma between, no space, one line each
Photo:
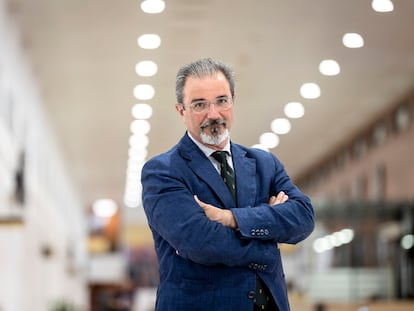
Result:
215,135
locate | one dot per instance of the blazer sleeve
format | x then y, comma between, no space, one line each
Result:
175,218
289,222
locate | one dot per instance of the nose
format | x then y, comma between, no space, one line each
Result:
213,111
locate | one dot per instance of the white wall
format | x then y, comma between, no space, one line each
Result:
51,217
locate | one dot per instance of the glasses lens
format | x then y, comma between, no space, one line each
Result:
200,106
222,103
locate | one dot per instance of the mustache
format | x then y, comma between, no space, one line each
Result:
213,122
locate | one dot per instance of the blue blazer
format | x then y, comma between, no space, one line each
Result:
204,265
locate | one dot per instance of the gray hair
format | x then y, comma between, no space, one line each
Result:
202,68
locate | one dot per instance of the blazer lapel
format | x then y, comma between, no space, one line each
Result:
245,171
203,168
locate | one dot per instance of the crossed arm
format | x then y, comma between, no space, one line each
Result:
226,217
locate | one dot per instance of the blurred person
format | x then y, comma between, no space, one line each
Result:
217,218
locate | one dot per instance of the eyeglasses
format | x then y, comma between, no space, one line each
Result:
221,103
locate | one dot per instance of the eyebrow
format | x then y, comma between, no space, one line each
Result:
198,99
203,99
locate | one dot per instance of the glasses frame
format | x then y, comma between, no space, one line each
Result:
208,104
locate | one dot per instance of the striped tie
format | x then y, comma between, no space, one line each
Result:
263,300
227,172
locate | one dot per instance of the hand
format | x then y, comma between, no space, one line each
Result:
280,198
223,216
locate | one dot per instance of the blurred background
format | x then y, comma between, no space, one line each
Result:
87,94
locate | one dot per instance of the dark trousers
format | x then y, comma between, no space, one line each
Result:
271,306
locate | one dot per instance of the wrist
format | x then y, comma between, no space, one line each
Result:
231,221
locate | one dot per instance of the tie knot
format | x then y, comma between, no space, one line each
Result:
220,156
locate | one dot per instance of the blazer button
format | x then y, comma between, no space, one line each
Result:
251,294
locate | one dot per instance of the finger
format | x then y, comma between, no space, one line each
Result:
279,197
272,200
199,202
283,198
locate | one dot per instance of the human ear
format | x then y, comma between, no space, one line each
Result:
180,109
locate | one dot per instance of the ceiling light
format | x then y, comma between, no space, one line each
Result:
294,110
329,67
146,68
133,189
135,166
138,141
134,170
321,245
353,40
149,41
104,208
140,127
142,111
144,91
137,154
269,140
382,5
310,90
152,6
347,235
330,241
132,199
280,126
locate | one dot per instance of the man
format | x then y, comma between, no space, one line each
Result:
217,244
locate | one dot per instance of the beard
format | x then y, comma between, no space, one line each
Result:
214,132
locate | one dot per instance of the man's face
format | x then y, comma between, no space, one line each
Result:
211,127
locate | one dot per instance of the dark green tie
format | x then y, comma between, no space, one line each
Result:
263,297
227,172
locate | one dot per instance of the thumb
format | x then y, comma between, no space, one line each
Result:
200,203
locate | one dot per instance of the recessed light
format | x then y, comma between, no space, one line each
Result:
149,41
269,140
280,126
353,40
382,6
310,90
294,110
146,68
141,111
329,67
140,127
144,91
152,6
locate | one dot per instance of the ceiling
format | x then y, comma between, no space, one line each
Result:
83,54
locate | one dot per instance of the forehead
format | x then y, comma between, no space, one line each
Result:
206,86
